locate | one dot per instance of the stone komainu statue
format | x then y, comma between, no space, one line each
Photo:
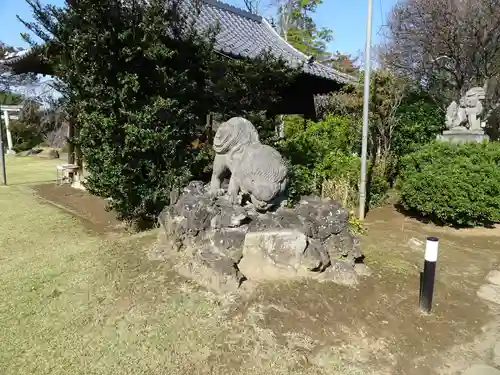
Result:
256,169
467,113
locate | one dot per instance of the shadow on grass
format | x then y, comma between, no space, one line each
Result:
28,183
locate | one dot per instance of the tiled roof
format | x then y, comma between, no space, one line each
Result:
15,57
242,34
245,34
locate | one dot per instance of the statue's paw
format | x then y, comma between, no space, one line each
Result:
260,205
214,193
234,199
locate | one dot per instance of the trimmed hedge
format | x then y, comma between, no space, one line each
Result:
457,184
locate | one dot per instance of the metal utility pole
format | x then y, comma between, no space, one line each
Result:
366,109
2,151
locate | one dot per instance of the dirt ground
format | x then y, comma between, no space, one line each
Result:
377,327
374,328
90,210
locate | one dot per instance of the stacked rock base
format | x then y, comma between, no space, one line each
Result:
234,243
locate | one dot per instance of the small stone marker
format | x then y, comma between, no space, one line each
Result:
362,269
493,277
264,253
481,370
489,292
416,244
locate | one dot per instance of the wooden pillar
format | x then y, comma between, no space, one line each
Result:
74,151
281,127
78,150
71,145
209,129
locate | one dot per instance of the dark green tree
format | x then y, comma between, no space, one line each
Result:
420,121
142,80
298,27
10,98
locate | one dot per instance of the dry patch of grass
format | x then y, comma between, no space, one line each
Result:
386,257
78,303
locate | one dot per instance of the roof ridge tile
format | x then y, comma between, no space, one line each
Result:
233,9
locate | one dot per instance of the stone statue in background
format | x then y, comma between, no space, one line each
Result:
463,120
455,116
256,169
467,114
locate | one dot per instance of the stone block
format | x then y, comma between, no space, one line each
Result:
283,247
489,292
462,136
493,277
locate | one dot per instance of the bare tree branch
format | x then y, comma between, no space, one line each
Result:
447,46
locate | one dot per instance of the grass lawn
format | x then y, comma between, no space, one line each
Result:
30,170
75,302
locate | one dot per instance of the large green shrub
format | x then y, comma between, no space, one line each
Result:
10,98
310,145
301,182
142,82
419,121
456,184
30,129
294,124
315,150
324,161
340,173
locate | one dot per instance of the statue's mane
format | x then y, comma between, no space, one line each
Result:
235,132
265,163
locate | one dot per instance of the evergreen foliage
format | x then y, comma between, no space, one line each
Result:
141,81
457,184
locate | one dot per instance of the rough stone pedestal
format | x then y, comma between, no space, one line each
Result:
223,244
462,135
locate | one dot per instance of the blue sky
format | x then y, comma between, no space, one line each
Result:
347,19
